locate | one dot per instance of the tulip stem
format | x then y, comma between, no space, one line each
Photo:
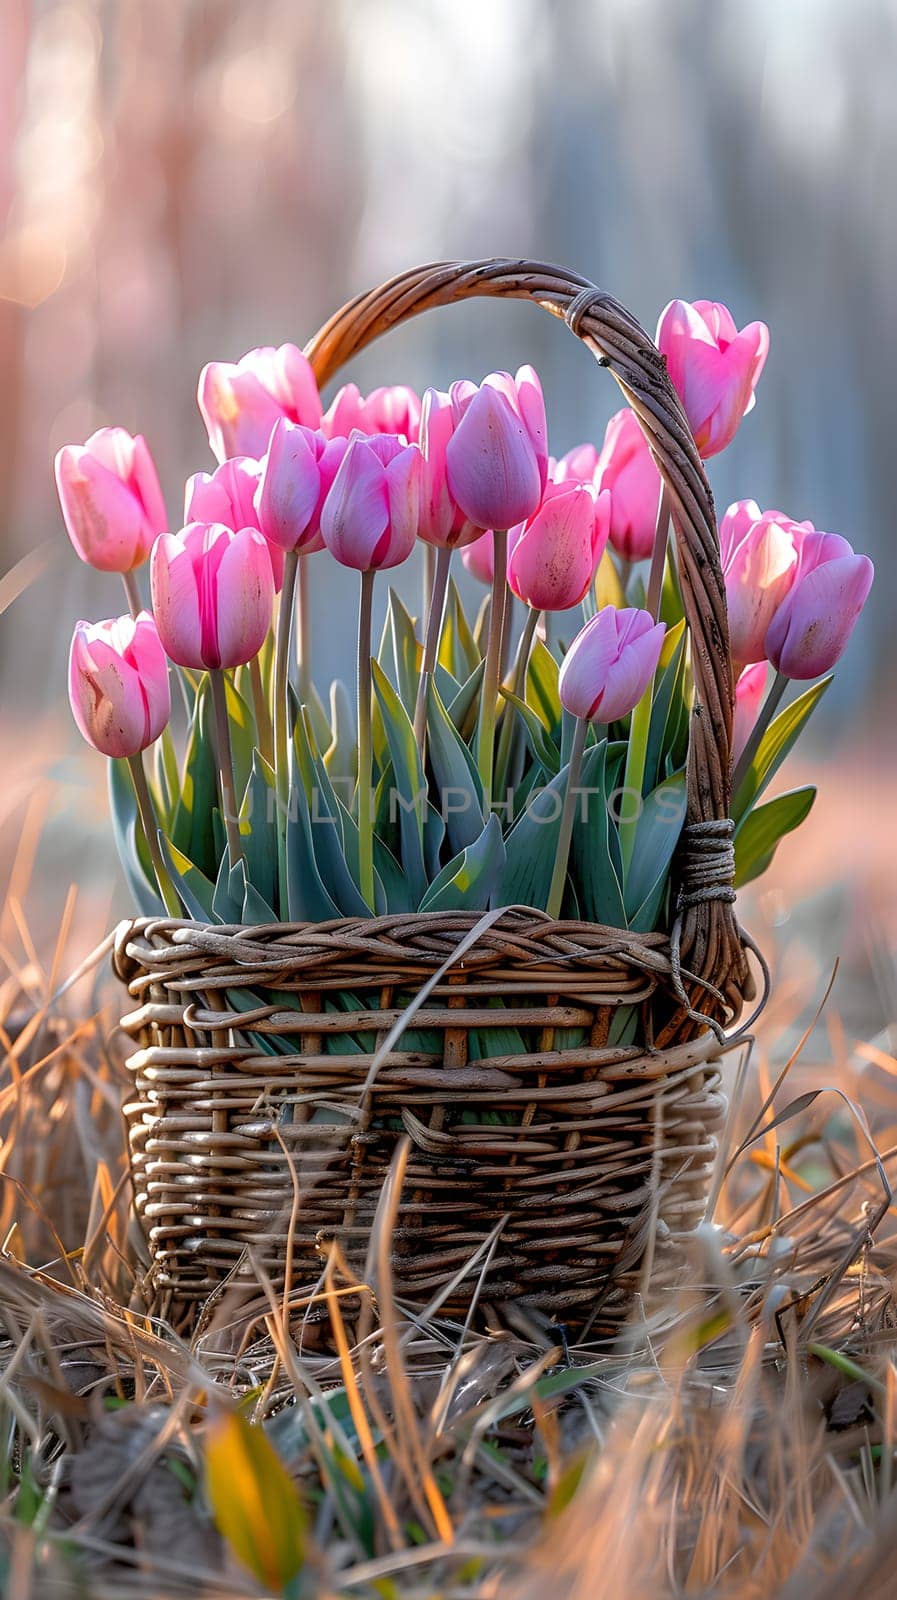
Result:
634,774
281,715
262,711
365,690
767,712
150,825
435,615
135,604
226,766
429,577
518,688
565,832
492,669
659,554
303,630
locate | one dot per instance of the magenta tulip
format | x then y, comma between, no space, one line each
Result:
118,684
442,522
296,477
626,467
610,664
369,519
759,551
111,500
814,621
749,695
497,458
392,409
212,594
241,401
713,367
557,549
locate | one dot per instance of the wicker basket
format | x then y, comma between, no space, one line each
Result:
543,1173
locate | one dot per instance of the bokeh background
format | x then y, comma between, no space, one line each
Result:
185,179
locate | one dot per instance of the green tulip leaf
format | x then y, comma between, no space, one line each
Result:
467,882
131,843
408,795
775,745
454,770
758,836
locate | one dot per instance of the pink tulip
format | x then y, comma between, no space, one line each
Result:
497,458
111,500
442,522
228,496
241,401
557,549
297,476
479,557
713,367
369,518
626,467
394,409
118,684
212,594
750,691
759,551
813,624
579,465
610,664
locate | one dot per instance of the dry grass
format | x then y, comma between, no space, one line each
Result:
741,1442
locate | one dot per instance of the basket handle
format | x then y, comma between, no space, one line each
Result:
707,935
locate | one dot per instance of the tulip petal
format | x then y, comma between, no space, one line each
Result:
491,465
176,602
244,596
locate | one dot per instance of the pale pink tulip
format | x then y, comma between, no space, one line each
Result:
713,367
626,467
241,401
555,552
111,500
297,476
442,522
369,519
228,496
750,691
391,409
479,557
610,664
497,457
118,684
814,621
212,594
579,465
759,551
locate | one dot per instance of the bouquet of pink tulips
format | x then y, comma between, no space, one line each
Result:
475,765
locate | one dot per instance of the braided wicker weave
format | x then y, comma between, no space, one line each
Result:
547,1168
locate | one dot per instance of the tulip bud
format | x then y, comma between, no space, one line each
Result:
610,663
626,467
111,500
749,694
579,465
814,621
759,551
118,684
228,496
393,409
369,519
497,457
241,401
557,549
712,366
212,594
442,522
296,477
